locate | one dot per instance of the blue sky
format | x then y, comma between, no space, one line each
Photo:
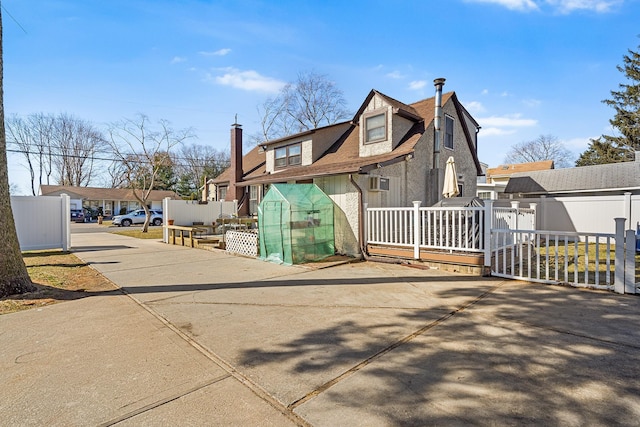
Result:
523,68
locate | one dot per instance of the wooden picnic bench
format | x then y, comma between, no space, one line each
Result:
183,230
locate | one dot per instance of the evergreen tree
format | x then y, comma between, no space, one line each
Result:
626,121
601,152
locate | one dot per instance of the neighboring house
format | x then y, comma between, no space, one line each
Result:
386,156
497,178
111,201
584,199
597,180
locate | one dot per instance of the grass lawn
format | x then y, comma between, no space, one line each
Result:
578,259
61,276
58,276
136,231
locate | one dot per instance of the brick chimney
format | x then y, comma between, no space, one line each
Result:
235,192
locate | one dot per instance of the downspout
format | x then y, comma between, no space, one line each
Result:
360,217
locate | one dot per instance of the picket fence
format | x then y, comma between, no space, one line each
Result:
510,243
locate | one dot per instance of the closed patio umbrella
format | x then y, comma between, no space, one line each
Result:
450,188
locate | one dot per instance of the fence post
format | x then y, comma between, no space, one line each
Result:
627,207
65,200
515,205
543,212
630,263
618,281
417,232
166,215
486,231
532,206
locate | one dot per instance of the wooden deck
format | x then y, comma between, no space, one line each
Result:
470,263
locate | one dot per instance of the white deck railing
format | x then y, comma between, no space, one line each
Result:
456,229
510,244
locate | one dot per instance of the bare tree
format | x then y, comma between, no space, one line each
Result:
141,149
60,146
33,137
115,175
311,102
196,162
76,145
545,147
14,278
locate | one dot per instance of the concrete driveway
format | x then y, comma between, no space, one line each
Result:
370,344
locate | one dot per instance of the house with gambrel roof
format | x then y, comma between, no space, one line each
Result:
390,154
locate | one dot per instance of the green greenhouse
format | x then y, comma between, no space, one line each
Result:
295,222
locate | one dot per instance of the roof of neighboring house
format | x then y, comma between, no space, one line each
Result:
344,155
609,177
510,169
95,193
254,162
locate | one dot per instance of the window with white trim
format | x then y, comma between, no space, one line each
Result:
253,200
289,155
375,128
448,132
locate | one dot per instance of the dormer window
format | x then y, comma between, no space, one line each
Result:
289,155
375,128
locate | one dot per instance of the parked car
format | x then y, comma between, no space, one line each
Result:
77,215
137,217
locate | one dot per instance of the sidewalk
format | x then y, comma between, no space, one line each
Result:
206,338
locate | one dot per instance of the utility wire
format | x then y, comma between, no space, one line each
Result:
109,159
12,18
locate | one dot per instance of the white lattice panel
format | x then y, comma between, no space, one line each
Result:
242,243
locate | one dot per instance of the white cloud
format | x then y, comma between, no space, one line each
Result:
493,131
417,84
485,91
560,6
249,80
178,59
577,144
474,107
509,121
568,6
520,5
532,102
395,75
219,52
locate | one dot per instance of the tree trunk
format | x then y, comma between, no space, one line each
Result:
14,278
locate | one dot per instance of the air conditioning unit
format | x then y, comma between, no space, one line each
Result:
378,183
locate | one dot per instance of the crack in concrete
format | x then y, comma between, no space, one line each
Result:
223,364
161,402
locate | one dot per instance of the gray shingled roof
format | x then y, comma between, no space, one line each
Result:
582,179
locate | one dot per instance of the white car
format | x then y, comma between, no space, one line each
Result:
137,217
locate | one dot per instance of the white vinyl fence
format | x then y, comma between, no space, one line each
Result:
511,245
42,222
579,213
186,212
593,260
